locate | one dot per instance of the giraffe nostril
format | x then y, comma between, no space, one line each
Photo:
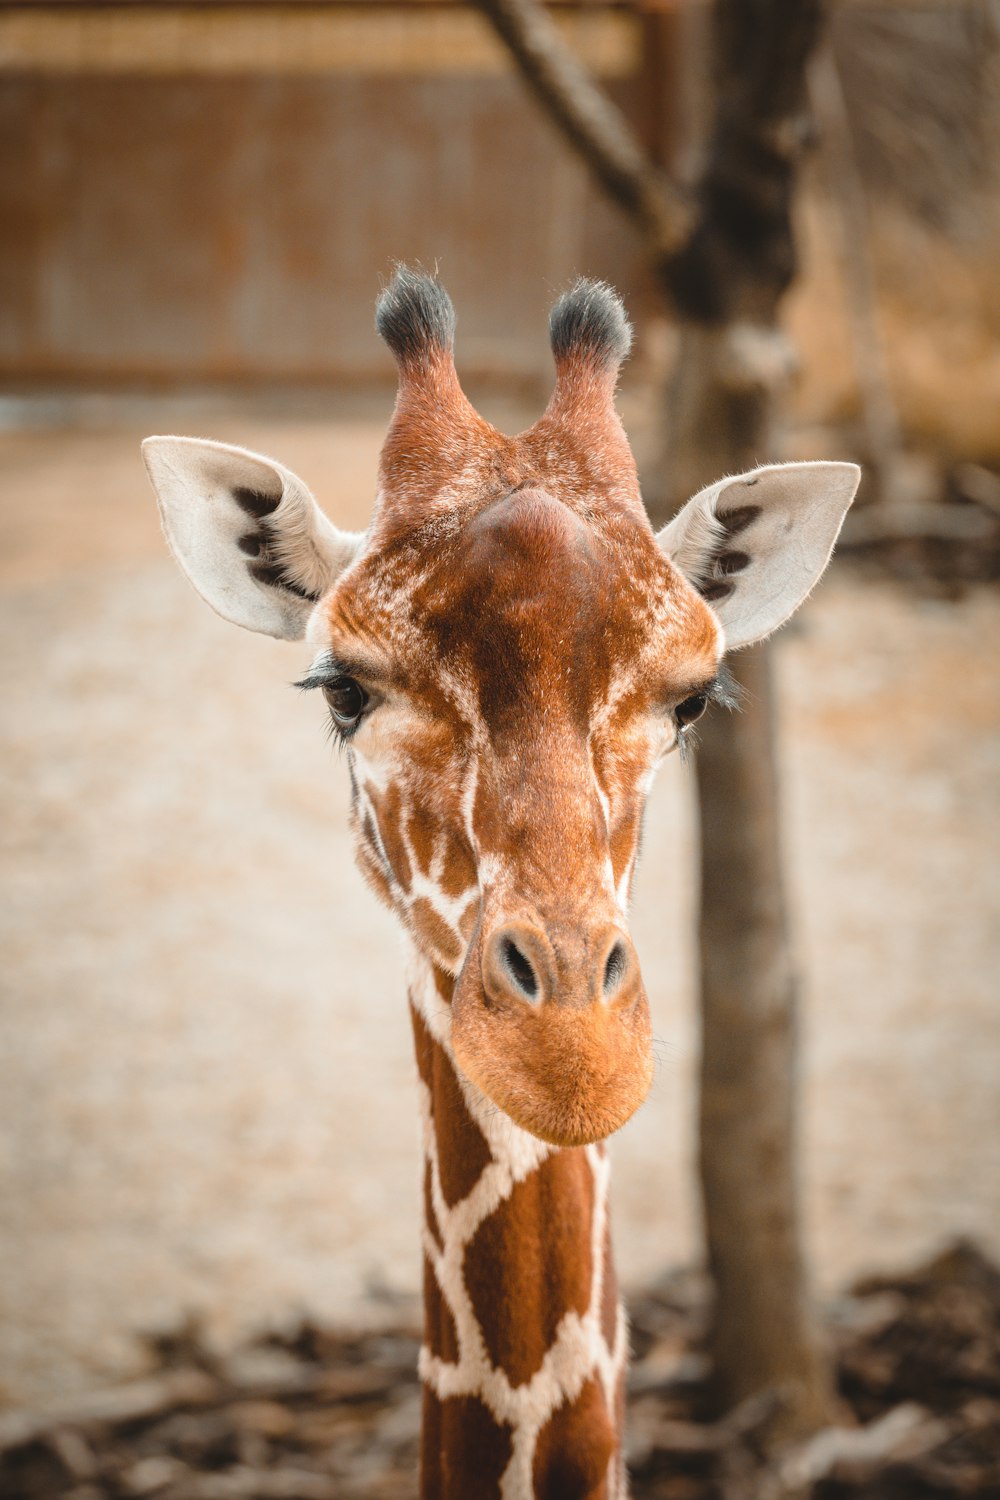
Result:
519,968
614,968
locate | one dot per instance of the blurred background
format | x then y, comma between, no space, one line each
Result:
208,1124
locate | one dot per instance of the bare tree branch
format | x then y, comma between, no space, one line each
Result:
594,126
883,437
728,244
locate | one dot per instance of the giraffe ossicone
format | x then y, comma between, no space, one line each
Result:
508,653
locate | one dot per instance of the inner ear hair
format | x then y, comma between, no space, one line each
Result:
256,503
720,562
260,544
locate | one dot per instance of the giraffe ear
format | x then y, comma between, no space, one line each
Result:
755,545
246,532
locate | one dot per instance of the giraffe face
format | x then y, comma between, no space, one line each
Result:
508,653
522,668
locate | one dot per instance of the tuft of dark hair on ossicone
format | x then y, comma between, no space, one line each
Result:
590,321
414,315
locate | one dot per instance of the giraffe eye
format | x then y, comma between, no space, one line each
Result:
692,708
347,700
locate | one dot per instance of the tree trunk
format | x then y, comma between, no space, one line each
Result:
722,412
733,368
763,1333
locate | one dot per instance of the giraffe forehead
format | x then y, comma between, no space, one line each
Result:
524,581
527,599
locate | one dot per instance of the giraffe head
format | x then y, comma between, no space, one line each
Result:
508,653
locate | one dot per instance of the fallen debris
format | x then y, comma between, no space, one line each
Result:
321,1415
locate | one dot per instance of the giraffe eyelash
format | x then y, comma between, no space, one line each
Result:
315,678
686,741
723,690
336,734
324,670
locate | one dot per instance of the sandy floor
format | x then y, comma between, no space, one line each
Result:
206,1092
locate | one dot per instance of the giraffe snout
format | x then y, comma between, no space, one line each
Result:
552,1023
524,963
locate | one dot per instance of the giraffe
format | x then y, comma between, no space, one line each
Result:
507,654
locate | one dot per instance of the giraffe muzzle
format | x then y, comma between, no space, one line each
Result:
555,1029
521,964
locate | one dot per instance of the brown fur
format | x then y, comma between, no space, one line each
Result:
433,933
462,1151
575,1448
440,1334
430,1217
463,1452
388,818
609,1293
530,1263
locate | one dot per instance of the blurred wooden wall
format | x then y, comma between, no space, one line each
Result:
213,193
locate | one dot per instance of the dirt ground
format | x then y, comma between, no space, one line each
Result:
323,1414
206,1089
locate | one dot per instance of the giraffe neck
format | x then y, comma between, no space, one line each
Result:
524,1335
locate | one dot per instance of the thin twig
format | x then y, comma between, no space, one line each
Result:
594,126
